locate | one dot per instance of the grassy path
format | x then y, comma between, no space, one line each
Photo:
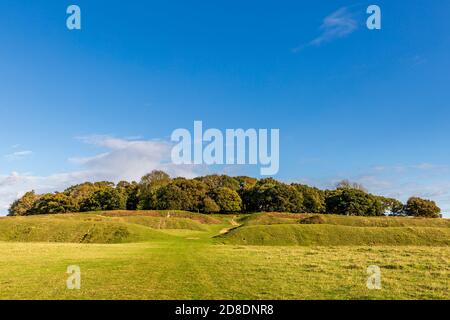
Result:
233,223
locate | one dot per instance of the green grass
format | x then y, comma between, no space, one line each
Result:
48,229
140,260
201,218
335,235
108,227
354,221
166,223
190,269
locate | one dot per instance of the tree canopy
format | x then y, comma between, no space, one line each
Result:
418,207
353,202
218,194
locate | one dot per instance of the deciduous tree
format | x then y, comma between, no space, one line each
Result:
419,207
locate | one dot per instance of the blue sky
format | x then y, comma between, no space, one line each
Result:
101,102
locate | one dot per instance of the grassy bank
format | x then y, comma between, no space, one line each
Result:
336,235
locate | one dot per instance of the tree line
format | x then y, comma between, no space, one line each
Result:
218,194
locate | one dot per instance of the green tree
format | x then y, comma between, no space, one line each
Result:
156,178
172,197
346,184
51,203
107,198
392,206
228,200
22,206
215,181
217,193
148,186
353,202
182,194
419,207
313,198
270,195
210,206
80,192
131,192
196,192
245,182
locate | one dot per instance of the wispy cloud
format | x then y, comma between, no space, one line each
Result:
421,166
130,159
123,159
18,155
337,25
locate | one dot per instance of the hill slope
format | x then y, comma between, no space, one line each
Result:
335,235
269,218
36,229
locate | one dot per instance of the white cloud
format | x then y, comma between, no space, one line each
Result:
337,25
130,159
15,185
123,160
18,155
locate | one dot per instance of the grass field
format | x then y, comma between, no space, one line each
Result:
157,255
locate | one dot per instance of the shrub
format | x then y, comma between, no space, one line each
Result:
312,220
